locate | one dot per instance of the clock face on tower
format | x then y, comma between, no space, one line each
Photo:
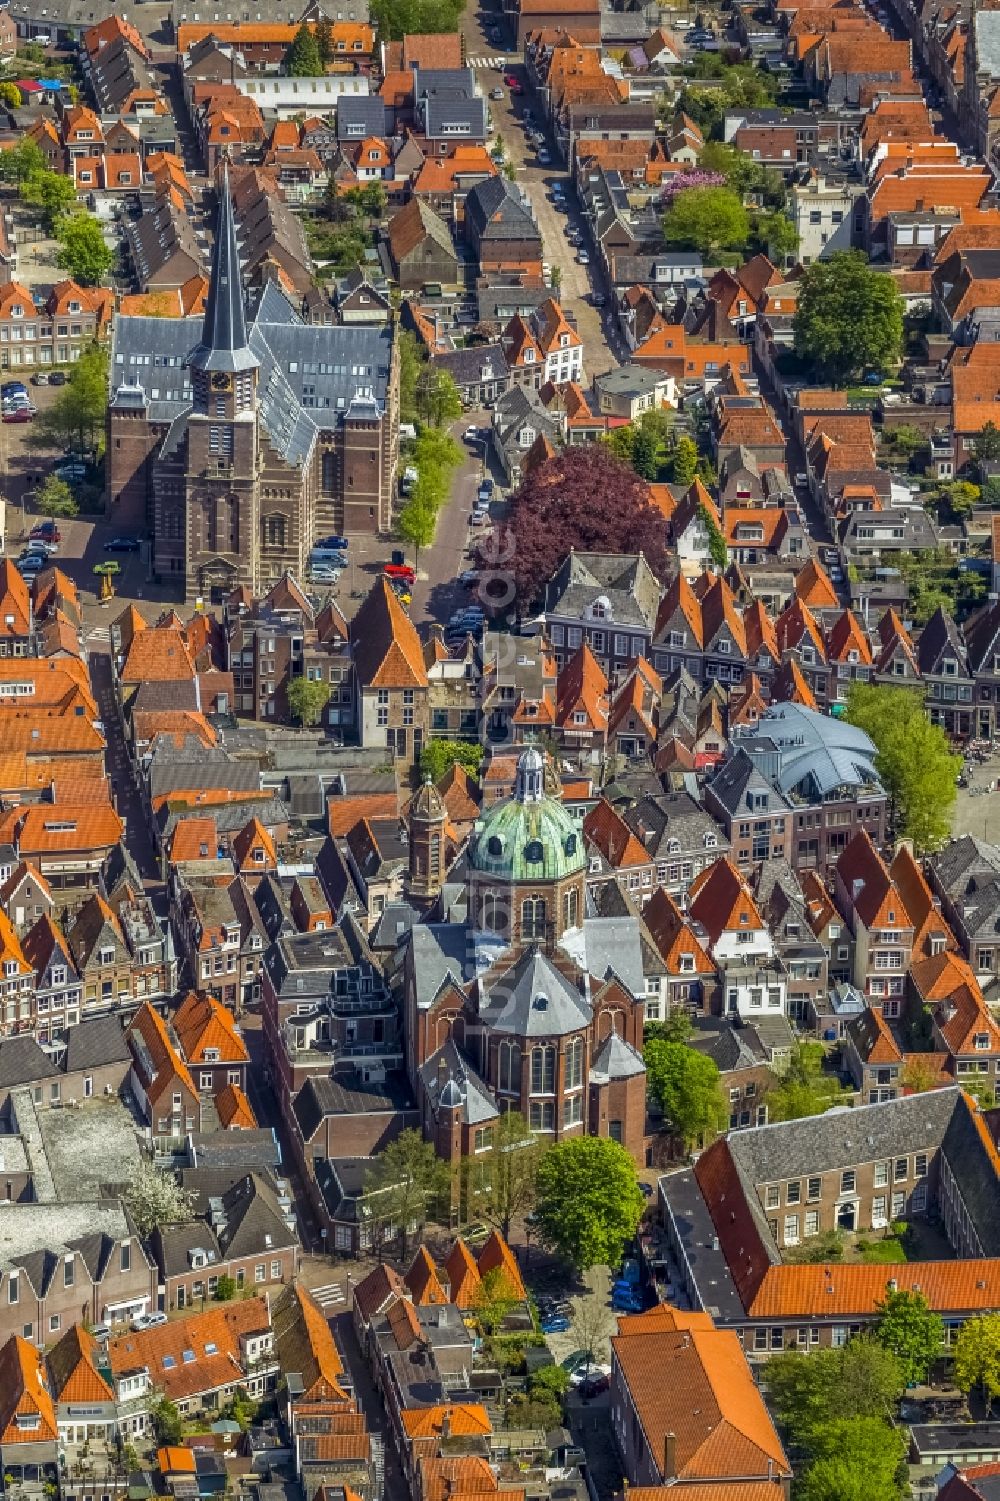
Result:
221,381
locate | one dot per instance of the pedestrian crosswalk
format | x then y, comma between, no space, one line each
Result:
328,1296
98,635
497,62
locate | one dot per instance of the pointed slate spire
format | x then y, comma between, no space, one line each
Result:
224,343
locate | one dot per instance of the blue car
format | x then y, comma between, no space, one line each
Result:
339,544
557,1324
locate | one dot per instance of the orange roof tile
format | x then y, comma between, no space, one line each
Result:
24,1395
161,1350
497,1255
720,900
813,587
234,1109
673,935
462,1274
423,1281
386,645
460,1419
605,828
202,1024
73,1372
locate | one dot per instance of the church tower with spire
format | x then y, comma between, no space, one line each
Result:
221,519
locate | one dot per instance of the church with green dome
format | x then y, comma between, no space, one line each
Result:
526,862
522,1001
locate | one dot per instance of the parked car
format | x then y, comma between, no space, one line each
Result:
19,414
594,1385
101,1332
557,1324
544,158
471,435
11,387
339,544
39,378
400,571
510,79
33,563
515,87
42,545
149,1321
583,257
122,544
45,531
57,378
73,473
646,1189
597,299
469,579
497,94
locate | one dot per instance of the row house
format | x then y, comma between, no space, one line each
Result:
53,331
247,1235
272,641
220,935
68,1263
609,601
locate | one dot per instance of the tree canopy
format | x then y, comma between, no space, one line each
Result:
564,504
848,317
685,1083
501,1185
857,1459
304,58
707,219
914,761
805,1088
55,498
83,251
439,756
589,1204
977,1357
405,1183
307,698
907,1327
394,19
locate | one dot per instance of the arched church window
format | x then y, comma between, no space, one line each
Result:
533,917
510,1067
543,1070
574,1064
571,905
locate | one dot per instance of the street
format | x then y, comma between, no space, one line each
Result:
578,282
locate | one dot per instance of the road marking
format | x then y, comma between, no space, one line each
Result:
99,633
487,62
329,1295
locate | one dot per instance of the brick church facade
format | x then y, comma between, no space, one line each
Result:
530,1005
236,441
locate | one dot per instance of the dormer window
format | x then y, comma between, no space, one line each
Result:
711,841
74,306
17,311
981,1042
564,341
529,356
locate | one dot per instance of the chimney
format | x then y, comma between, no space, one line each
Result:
669,1455
446,1423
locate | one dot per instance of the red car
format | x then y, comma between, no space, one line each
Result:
19,416
516,88
46,531
510,79
399,571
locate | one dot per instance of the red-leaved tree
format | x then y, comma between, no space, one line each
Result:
583,499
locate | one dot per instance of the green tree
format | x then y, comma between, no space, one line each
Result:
493,1300
307,698
438,401
977,1358
707,219
501,1185
919,1076
955,500
241,1408
805,1088
324,42
78,412
621,441
645,453
439,756
21,162
10,95
776,234
914,762
848,1381
685,1084
906,440
551,1381
856,1459
986,448
225,1289
303,59
167,1422
83,251
412,358
678,1027
53,195
55,498
417,523
907,1326
406,1182
683,460
848,317
589,1204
